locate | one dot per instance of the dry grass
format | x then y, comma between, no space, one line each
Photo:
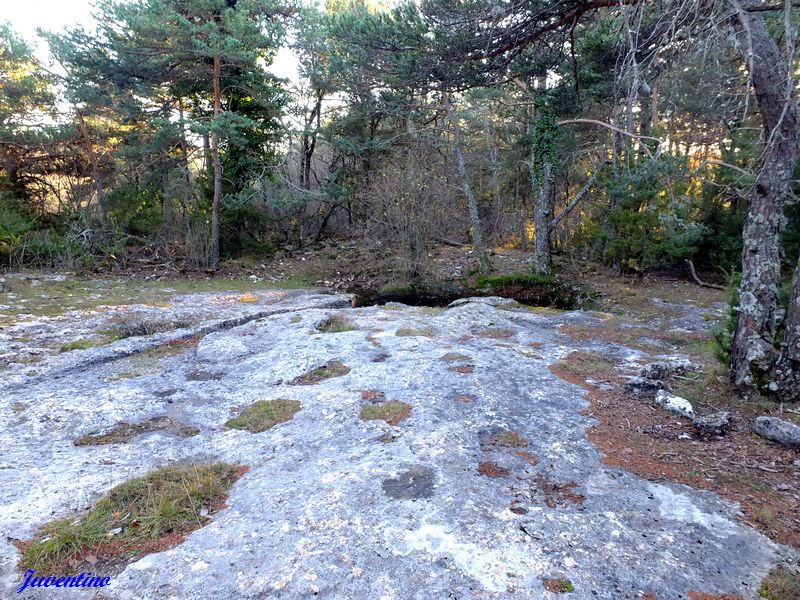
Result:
411,332
147,513
123,433
328,371
336,324
393,412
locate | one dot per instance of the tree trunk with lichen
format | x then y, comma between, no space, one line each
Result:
786,376
753,353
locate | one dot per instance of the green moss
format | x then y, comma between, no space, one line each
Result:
392,412
172,499
264,414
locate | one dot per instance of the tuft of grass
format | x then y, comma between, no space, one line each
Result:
496,333
411,332
171,500
336,324
133,326
332,369
455,357
86,343
558,585
265,414
392,412
781,584
123,433
508,439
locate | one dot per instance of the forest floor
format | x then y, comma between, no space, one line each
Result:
633,321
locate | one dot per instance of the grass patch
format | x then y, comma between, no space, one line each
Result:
129,326
86,343
496,333
586,364
328,371
123,433
264,414
392,412
781,584
134,518
455,357
336,324
508,439
411,332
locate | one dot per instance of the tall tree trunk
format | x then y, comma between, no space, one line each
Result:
787,369
214,251
753,350
185,179
98,184
542,214
477,237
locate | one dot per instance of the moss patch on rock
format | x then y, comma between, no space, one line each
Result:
265,414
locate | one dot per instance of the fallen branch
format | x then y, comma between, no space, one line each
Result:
699,281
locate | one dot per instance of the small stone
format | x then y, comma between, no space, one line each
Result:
714,424
675,404
115,531
640,385
664,369
777,430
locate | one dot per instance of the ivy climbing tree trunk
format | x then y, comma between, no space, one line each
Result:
214,250
477,235
753,350
542,214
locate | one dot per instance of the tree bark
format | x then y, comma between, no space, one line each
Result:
477,237
753,350
214,250
787,370
98,184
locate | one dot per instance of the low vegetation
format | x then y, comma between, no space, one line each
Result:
336,324
265,414
148,513
328,371
124,432
414,332
393,412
